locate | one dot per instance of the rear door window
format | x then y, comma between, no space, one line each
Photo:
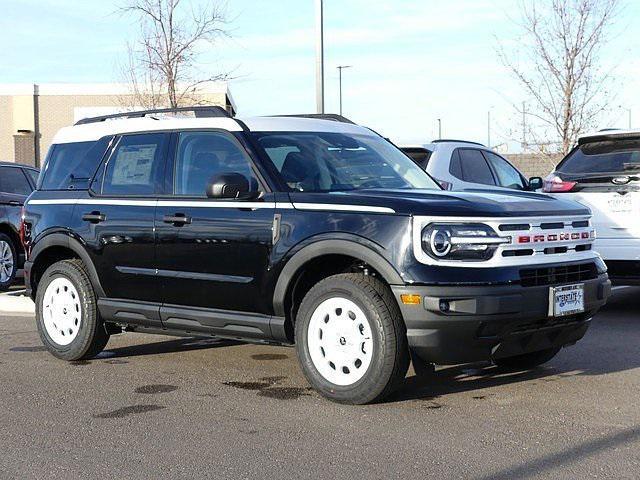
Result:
507,175
13,181
471,166
136,166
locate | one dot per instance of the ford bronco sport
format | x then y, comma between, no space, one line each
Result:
305,231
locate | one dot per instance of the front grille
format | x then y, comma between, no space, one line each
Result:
536,277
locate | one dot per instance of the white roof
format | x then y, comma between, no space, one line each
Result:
97,130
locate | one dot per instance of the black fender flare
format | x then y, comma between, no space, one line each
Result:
67,241
356,249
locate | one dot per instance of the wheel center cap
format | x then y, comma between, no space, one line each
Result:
343,341
64,310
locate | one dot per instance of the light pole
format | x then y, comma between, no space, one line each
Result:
319,57
628,113
489,128
439,129
340,68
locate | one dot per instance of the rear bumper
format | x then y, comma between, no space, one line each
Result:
492,321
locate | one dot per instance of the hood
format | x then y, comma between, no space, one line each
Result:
468,203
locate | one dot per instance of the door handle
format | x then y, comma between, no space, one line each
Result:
15,203
94,217
177,219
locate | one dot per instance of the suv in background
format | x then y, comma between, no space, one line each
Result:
603,173
462,165
304,231
16,184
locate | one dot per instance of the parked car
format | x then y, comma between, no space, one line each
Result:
16,183
462,165
305,231
603,173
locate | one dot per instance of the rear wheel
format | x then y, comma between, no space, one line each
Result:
527,360
8,262
351,340
66,313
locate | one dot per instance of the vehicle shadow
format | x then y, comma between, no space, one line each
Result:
175,345
609,346
574,454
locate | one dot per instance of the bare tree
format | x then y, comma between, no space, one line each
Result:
559,68
161,68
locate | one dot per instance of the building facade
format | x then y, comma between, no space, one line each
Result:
30,115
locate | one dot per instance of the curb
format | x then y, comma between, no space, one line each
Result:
10,304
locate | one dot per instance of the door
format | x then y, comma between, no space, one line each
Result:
116,221
213,253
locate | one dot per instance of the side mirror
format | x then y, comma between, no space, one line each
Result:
535,183
230,185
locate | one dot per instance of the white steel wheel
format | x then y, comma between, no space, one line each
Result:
6,261
61,311
340,341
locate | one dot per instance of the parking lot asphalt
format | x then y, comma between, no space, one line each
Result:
153,406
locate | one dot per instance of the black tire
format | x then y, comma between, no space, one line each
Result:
390,354
526,361
4,285
92,336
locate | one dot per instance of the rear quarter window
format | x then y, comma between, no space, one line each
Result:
72,165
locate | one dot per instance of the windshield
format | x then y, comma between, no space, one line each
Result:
328,162
607,157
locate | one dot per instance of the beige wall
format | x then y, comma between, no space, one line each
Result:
6,128
55,112
534,165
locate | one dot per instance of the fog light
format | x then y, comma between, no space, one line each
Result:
444,306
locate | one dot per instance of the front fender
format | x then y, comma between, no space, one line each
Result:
356,247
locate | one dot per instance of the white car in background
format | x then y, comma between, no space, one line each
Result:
603,173
462,165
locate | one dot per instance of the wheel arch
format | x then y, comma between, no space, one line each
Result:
355,249
11,232
55,247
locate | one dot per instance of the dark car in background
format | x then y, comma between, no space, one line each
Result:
16,184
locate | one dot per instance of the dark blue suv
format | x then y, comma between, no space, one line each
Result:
290,230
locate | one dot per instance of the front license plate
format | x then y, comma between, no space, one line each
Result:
566,300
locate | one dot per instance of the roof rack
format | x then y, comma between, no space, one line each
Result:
441,140
322,116
199,111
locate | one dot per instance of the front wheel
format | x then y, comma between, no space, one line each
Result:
351,340
526,361
66,312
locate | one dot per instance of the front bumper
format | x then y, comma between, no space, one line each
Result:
492,321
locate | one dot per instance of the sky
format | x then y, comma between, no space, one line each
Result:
413,61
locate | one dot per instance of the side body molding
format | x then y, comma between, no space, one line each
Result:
356,249
67,241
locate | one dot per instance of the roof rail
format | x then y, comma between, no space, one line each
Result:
441,140
321,116
199,111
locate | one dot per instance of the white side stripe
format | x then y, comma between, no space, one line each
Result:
342,208
211,204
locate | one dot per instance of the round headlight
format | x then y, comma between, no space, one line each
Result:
440,241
